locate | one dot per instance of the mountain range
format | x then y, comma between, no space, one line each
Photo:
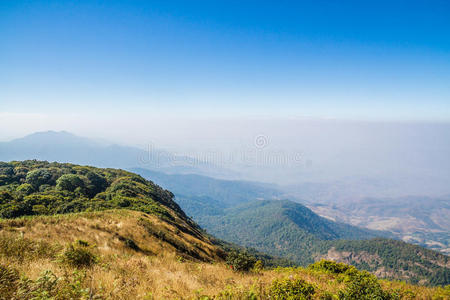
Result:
79,232
253,214
67,147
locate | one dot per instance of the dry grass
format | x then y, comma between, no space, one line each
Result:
157,270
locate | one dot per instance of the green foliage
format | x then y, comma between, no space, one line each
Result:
9,281
95,183
254,293
79,255
292,231
332,267
258,266
38,177
364,285
41,188
280,228
69,182
325,295
25,189
398,257
82,243
291,289
267,260
240,261
46,286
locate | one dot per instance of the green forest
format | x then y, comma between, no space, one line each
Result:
291,230
41,188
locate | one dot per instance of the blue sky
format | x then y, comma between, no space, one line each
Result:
358,60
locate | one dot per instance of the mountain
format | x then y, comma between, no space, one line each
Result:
419,220
281,228
391,259
224,193
291,230
36,188
416,220
271,219
79,232
210,201
66,147
242,213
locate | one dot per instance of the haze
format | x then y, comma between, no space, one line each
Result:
353,93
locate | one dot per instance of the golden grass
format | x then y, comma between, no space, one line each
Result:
158,270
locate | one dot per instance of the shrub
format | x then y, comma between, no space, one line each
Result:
97,183
240,261
364,285
5,197
45,188
49,286
258,266
122,201
9,280
69,182
332,267
78,255
25,189
17,247
40,210
325,295
291,289
38,177
82,243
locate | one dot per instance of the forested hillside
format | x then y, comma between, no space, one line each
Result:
290,230
392,259
42,188
282,228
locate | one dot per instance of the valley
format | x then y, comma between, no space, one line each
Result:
80,232
419,220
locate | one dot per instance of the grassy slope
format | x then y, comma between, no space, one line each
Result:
147,248
156,270
116,231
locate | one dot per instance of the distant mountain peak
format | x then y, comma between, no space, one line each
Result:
51,136
49,133
64,146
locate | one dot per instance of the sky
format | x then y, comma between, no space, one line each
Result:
134,60
341,89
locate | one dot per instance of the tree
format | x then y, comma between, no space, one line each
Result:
25,188
38,177
69,182
97,183
241,261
